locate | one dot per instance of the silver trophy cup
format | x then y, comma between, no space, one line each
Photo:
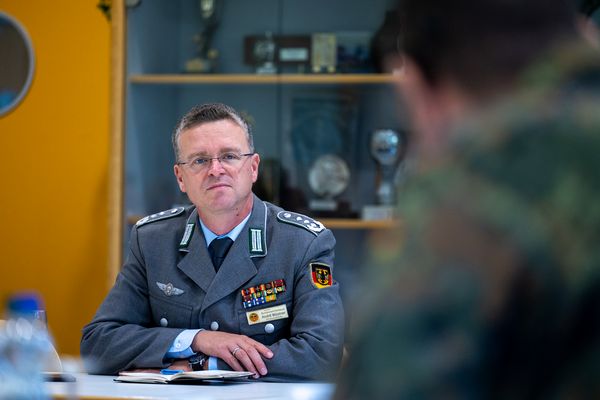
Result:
386,149
205,60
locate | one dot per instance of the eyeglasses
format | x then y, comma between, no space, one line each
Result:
226,159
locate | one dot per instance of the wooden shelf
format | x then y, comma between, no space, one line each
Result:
331,223
254,79
339,223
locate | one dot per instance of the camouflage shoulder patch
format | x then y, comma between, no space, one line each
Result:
320,275
159,216
292,218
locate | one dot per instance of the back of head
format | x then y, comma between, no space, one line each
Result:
481,45
588,7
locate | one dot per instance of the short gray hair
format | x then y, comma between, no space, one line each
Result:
209,112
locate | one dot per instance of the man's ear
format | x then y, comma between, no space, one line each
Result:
413,86
410,80
179,175
254,166
589,30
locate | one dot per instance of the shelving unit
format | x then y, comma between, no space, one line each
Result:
153,42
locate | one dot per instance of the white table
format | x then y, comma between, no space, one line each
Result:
103,387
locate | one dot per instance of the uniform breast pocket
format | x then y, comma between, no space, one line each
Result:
266,325
171,314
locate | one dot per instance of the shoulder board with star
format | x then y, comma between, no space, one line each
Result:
292,218
160,216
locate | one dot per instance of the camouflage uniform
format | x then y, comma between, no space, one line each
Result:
496,292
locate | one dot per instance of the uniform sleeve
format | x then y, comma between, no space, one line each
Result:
122,334
182,345
314,348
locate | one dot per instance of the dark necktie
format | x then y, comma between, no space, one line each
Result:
218,249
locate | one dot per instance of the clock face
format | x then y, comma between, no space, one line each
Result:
329,176
17,65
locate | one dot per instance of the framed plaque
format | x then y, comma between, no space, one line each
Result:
292,52
322,147
353,52
324,52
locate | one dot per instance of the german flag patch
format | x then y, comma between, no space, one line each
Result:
321,275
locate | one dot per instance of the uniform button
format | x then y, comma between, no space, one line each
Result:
269,328
214,326
164,322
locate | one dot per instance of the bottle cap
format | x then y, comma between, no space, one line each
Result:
24,303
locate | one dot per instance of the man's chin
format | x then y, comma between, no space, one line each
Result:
219,202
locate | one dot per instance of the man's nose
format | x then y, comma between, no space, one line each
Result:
215,166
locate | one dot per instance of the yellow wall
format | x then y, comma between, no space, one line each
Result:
53,166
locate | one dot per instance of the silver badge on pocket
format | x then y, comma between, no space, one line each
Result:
169,289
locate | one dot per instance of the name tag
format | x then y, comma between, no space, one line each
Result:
267,314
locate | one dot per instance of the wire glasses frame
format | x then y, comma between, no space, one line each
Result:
226,159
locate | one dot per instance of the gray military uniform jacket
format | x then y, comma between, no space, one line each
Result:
169,284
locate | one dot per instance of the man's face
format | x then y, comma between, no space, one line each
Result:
216,187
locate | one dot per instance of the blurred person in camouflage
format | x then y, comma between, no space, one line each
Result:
495,292
588,20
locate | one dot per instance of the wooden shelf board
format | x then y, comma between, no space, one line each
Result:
254,79
331,223
340,223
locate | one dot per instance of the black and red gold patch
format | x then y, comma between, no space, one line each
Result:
321,275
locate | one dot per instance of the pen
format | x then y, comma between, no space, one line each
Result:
170,371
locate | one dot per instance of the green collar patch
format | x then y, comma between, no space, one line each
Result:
257,242
187,236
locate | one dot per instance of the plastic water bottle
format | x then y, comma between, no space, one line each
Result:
24,345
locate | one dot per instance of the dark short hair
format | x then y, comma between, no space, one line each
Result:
481,43
210,112
588,7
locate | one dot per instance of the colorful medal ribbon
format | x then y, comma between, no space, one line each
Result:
263,293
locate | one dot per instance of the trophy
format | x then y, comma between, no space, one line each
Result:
386,148
328,177
264,54
206,59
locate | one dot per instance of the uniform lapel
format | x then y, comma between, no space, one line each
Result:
237,268
196,264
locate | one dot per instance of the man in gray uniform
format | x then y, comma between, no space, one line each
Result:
230,283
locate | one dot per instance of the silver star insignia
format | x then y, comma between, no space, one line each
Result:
169,289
